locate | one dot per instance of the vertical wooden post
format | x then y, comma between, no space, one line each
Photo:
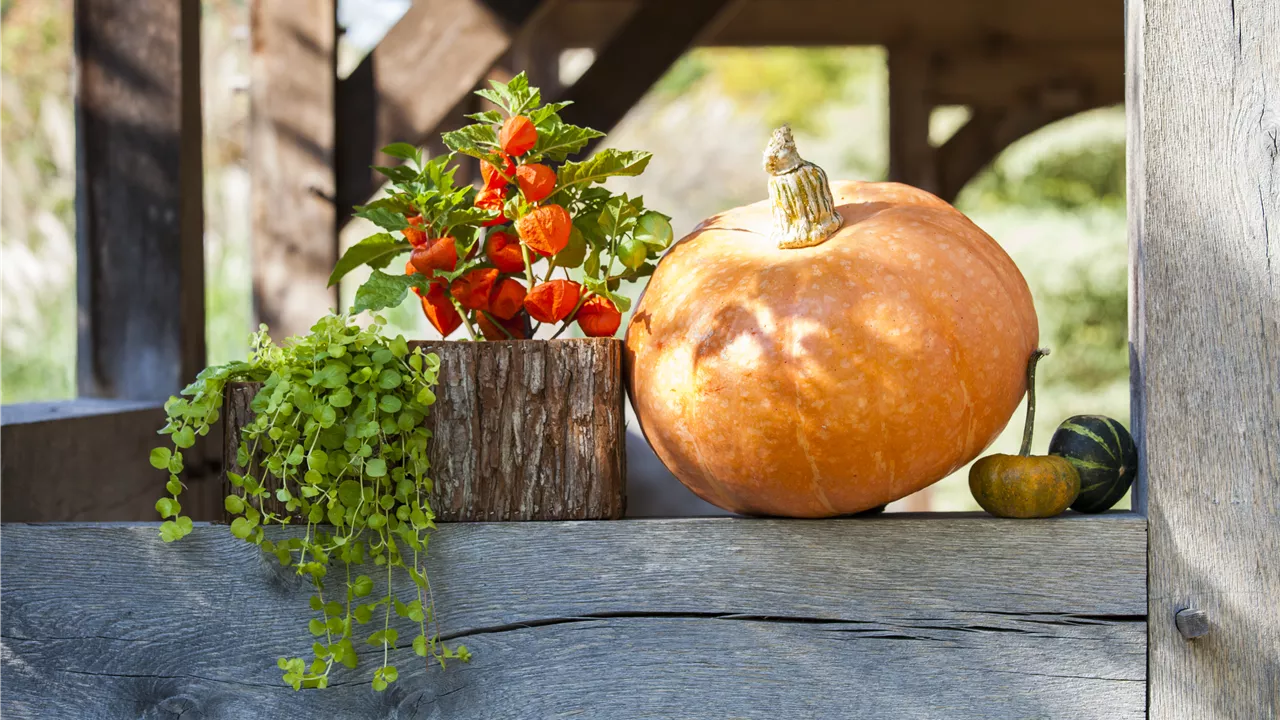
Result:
291,155
912,159
139,209
1204,219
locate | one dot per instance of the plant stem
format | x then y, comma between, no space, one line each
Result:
573,314
498,325
528,266
1031,400
466,321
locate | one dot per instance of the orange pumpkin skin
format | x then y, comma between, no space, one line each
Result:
828,380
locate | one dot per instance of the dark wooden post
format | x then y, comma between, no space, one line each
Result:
912,159
291,156
1204,223
140,222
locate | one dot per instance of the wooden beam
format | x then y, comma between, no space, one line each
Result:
87,459
413,81
996,74
912,160
890,617
1204,224
139,197
291,163
987,133
653,38
929,22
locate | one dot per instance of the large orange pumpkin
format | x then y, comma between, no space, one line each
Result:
828,350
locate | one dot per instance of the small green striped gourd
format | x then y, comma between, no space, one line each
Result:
1103,454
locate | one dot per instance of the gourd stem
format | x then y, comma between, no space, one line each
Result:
1031,400
804,212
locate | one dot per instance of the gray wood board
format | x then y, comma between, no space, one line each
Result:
87,460
888,617
1204,209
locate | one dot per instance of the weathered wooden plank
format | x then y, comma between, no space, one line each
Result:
87,459
653,38
415,78
291,161
892,617
1205,235
521,430
139,197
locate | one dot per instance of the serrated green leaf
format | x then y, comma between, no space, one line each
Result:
404,151
488,116
478,141
542,117
376,251
397,174
558,140
383,291
603,165
382,217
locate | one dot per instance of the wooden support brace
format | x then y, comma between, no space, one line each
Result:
987,133
139,197
291,138
654,37
420,76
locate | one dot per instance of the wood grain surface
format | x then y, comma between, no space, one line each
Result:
521,430
291,161
1204,214
891,617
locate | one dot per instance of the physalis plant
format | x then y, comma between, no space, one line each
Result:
337,442
473,251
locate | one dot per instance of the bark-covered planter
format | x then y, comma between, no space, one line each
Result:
522,430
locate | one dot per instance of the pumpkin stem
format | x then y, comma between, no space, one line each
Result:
1031,400
804,212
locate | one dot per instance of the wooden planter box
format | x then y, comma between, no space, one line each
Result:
522,430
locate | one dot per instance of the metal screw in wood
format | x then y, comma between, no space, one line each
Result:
1191,623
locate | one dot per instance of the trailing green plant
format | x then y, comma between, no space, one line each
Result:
338,432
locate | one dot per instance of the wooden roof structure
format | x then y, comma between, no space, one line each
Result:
1017,65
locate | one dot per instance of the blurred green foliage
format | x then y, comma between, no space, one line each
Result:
1067,179
786,84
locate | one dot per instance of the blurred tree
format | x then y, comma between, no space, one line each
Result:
1069,179
787,84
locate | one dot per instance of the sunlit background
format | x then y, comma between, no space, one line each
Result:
1054,200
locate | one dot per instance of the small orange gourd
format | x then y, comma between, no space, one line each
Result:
1025,485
